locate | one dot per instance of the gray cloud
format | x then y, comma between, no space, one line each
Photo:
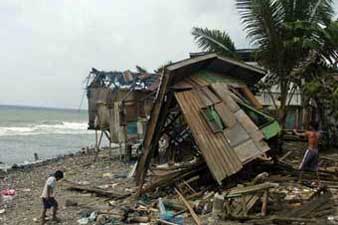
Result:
48,47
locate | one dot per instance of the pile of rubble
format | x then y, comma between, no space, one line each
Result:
209,157
265,192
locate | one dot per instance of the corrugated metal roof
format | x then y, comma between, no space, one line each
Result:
224,152
217,152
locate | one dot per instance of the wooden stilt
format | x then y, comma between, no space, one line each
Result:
97,145
108,135
110,150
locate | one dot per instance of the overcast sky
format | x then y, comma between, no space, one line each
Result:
47,47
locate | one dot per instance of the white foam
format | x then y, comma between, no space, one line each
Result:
57,128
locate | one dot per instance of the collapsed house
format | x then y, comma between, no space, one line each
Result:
119,104
205,107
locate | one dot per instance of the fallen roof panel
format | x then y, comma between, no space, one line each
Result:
217,152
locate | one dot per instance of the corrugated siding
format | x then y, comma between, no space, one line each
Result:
240,142
217,152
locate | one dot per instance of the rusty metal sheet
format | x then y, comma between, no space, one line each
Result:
223,92
217,152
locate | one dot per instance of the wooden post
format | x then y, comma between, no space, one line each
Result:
264,203
108,135
127,146
243,203
96,140
98,143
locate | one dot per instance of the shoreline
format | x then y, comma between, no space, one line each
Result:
27,165
80,167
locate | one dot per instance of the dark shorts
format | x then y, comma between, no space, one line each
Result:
310,161
49,203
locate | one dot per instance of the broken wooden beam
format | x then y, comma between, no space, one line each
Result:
98,191
191,210
236,192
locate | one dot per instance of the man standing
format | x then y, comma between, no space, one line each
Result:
47,196
310,159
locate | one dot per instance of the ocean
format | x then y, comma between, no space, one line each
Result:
45,131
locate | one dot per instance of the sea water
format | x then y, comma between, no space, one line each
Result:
47,132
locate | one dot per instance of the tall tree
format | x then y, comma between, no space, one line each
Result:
290,35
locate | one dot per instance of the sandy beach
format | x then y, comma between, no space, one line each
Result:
28,183
111,176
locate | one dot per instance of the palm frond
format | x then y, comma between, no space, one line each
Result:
214,41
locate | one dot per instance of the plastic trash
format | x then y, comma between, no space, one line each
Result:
83,221
169,215
92,216
10,192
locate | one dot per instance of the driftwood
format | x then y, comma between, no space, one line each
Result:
191,210
95,190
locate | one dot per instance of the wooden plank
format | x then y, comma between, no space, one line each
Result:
250,202
205,100
100,192
191,210
149,137
236,135
182,85
223,92
249,125
210,95
248,94
199,81
247,151
235,192
264,203
226,115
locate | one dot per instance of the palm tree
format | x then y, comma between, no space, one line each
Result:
214,41
290,35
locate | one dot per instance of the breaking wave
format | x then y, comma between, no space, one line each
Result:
46,128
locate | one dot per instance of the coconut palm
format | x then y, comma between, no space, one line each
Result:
214,41
290,35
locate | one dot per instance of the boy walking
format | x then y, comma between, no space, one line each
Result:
47,196
310,159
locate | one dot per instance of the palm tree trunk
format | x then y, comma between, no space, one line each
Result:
283,99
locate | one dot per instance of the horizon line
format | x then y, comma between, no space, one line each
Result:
42,107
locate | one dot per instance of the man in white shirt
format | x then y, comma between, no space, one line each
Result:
47,196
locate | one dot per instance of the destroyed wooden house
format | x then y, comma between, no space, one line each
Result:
119,103
205,107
